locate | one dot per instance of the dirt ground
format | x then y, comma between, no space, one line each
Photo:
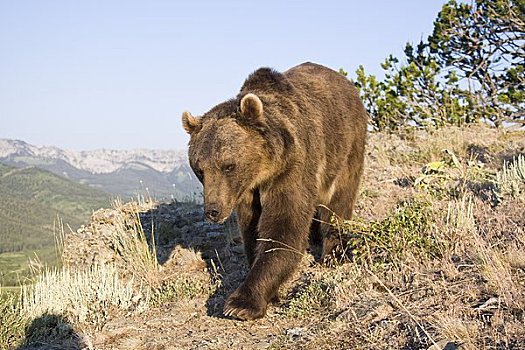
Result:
471,295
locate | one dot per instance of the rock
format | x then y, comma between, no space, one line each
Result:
295,332
443,345
174,225
214,234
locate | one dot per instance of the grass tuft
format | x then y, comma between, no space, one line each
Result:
313,296
131,245
459,222
406,234
510,181
85,296
180,289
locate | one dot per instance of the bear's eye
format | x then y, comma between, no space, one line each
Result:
228,168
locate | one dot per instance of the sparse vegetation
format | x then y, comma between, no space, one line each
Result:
432,256
179,289
313,296
407,234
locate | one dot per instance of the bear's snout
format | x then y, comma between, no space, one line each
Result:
213,212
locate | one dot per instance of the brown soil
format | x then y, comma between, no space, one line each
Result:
472,296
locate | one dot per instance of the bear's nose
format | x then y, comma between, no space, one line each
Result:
213,212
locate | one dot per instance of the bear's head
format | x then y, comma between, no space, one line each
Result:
228,154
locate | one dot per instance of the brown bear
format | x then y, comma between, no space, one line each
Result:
286,144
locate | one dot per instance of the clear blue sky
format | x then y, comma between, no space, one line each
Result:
118,74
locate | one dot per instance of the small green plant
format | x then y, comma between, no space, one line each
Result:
510,181
406,232
433,178
12,321
313,296
184,288
450,177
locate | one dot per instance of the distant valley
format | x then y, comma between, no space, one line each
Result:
38,185
160,174
32,201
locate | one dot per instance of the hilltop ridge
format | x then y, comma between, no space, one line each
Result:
434,259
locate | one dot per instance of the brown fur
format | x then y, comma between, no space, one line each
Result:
286,144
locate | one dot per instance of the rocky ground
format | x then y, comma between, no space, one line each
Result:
458,283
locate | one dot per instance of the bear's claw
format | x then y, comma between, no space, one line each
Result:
243,308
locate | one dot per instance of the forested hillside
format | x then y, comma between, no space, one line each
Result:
31,201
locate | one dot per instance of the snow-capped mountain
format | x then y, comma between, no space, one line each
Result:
101,161
121,172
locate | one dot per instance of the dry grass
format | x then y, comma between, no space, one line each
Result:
131,245
441,263
88,296
472,292
435,255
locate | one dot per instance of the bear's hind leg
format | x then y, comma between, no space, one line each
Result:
342,204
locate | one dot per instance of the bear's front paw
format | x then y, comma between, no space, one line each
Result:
244,306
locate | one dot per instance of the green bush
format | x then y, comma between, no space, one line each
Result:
405,234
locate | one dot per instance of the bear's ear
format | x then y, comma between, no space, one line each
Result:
190,123
251,107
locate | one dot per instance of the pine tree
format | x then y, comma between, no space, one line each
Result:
471,68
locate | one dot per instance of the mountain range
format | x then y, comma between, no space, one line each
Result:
161,174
